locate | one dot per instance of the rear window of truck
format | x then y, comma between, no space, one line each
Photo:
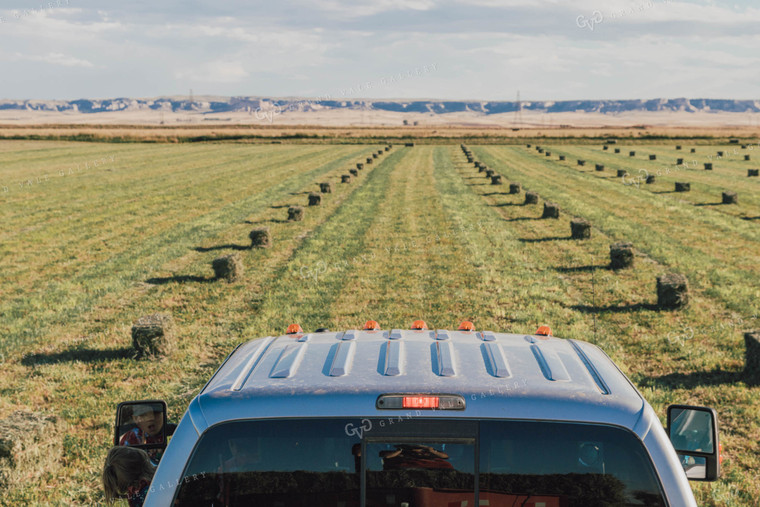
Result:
413,461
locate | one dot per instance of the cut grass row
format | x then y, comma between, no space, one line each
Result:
677,234
87,367
672,356
48,287
706,186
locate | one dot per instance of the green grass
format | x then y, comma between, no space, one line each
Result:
418,234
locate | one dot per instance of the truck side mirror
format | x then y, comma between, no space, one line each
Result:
693,431
141,424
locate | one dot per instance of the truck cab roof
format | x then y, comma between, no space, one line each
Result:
498,375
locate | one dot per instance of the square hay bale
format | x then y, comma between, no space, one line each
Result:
531,198
678,146
693,150
562,157
753,172
730,198
720,153
496,179
752,356
260,237
315,199
605,147
228,267
581,162
652,157
621,173
528,145
295,214
672,291
617,150
551,210
540,150
548,154
650,179
359,166
153,335
489,173
515,188
31,445
409,145
580,228
733,141
369,160
325,188
374,155
631,153
746,157
708,166
354,172
600,167
387,148
621,255
682,186
346,178
679,161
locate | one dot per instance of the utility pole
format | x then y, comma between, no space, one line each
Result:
518,110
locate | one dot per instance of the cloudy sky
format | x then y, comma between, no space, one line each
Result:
448,49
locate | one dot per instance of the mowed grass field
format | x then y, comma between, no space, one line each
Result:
98,235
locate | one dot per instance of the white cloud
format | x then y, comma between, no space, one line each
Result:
483,48
55,59
350,9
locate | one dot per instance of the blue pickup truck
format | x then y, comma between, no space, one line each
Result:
424,417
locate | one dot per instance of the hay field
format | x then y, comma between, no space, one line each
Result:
97,235
437,130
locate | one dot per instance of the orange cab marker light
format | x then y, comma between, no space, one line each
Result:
420,402
419,325
466,325
720,454
544,331
371,325
294,329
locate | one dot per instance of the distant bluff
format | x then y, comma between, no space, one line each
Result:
254,104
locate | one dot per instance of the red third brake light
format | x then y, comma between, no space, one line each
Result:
371,325
420,402
466,325
294,329
544,331
419,325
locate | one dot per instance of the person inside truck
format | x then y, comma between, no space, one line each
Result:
128,473
149,421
